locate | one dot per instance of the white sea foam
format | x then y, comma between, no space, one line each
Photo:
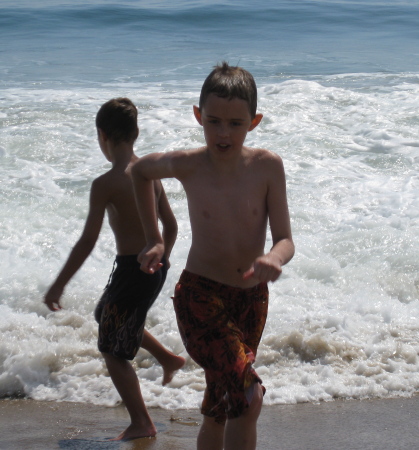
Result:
343,319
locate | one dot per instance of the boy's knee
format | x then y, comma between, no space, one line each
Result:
212,423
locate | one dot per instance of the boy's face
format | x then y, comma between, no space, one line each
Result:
226,123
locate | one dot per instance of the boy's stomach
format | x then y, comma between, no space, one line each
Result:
226,268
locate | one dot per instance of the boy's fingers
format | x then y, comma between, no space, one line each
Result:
154,267
249,273
51,306
150,258
150,265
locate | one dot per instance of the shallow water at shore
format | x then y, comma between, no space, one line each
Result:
390,424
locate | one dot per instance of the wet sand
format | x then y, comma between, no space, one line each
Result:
384,424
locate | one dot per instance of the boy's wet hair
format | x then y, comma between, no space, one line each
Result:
230,82
117,118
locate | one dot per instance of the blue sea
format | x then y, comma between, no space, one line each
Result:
338,84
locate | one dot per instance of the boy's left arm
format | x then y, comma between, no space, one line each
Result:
268,267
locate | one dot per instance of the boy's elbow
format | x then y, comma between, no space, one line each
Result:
286,249
86,244
292,249
175,227
172,230
170,224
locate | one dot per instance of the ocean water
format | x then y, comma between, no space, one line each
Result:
339,89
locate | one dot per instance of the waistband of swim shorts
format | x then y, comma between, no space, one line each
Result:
206,284
129,260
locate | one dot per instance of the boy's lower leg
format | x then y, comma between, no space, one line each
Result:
211,435
241,433
126,382
168,360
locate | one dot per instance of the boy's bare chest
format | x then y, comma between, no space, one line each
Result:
239,198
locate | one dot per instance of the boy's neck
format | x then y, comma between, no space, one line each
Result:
122,154
225,163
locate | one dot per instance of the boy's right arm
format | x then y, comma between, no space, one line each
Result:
148,168
83,247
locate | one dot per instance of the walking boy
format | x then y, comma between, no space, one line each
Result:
122,310
221,298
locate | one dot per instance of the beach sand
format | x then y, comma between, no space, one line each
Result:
384,424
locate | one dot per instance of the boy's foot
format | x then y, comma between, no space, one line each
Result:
136,432
169,370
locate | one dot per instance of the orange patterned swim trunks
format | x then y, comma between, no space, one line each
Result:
221,327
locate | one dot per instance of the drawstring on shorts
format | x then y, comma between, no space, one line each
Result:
110,276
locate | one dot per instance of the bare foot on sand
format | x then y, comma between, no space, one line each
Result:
169,369
136,432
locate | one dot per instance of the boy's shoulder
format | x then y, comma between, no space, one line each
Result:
109,182
264,164
189,153
113,180
107,178
182,161
261,156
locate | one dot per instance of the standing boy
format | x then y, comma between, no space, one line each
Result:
122,310
221,298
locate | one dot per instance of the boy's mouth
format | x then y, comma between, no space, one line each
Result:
223,146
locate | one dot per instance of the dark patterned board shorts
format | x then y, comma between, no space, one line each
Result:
122,309
221,327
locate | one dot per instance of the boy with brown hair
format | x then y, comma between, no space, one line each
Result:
122,310
221,298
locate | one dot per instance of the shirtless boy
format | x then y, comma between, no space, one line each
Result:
122,310
221,298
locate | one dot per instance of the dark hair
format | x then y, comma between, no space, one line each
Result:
117,118
230,82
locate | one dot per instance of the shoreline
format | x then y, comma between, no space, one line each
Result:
388,424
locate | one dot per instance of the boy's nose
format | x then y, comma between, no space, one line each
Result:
223,130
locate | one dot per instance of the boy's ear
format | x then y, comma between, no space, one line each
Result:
255,122
197,114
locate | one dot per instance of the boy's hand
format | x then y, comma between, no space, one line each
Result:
150,258
52,298
265,268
